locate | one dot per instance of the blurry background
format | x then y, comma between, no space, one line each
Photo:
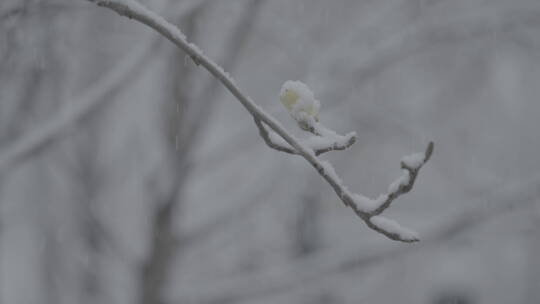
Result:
129,175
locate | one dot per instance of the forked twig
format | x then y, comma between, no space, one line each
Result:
319,144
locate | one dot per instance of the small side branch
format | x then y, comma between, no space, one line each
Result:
370,209
411,165
276,144
319,143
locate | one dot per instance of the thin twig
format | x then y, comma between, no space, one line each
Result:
404,188
271,143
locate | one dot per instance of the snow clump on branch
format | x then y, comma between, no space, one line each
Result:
300,101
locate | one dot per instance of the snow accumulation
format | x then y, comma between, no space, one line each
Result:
298,98
367,204
393,227
176,34
196,48
400,181
225,74
299,87
140,9
323,131
318,142
414,161
325,141
277,139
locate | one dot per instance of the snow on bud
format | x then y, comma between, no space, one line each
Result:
300,101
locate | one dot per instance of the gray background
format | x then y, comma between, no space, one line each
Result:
163,192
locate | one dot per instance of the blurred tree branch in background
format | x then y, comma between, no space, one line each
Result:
187,127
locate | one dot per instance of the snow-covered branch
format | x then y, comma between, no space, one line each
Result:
319,144
325,140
